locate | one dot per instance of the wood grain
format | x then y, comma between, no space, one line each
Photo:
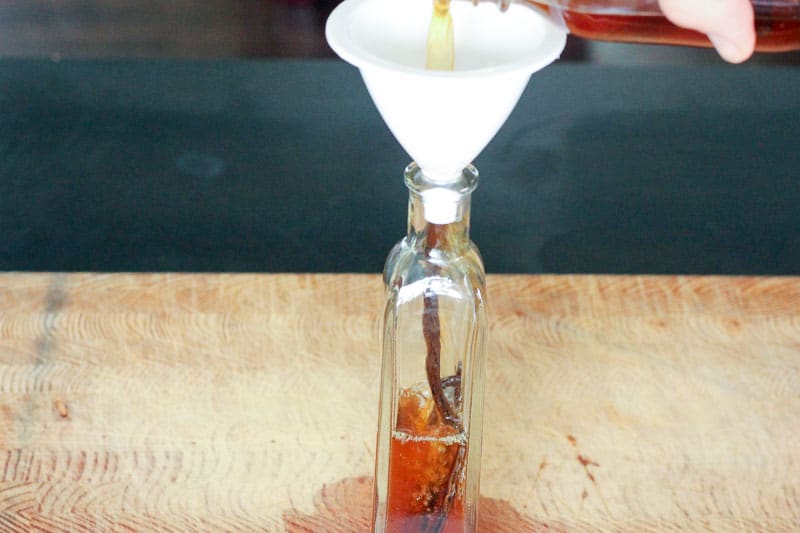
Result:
186,402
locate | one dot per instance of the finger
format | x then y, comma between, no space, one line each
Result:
728,24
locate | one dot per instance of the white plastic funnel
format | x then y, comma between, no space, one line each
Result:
443,119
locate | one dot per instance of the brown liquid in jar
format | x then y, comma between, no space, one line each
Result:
777,28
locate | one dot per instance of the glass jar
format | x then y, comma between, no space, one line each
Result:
431,401
641,21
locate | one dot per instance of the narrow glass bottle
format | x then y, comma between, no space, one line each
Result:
431,401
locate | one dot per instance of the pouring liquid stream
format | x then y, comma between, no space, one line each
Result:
441,49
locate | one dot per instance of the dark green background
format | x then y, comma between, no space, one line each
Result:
285,166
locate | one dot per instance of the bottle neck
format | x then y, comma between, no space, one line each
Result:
438,213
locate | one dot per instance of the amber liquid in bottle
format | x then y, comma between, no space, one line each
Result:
777,28
426,468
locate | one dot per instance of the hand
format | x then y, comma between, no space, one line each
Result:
728,24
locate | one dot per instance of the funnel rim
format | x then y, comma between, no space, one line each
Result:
339,39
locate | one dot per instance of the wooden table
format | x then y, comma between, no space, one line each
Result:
248,402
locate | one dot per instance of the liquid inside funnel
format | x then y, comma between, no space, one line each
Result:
443,119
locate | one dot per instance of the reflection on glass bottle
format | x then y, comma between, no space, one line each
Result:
429,435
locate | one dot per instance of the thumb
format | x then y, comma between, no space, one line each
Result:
728,24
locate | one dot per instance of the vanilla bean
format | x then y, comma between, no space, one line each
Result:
432,334
431,330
